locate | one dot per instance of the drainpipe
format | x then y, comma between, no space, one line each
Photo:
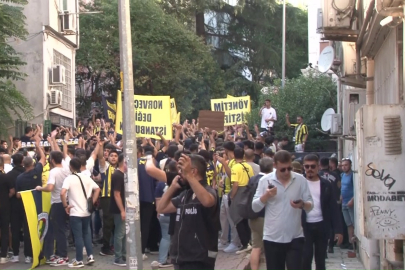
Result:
370,82
364,26
339,139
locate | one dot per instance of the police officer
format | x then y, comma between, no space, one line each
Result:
195,240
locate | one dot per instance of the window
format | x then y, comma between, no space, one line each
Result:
60,59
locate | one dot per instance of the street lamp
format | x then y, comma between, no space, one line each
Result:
283,53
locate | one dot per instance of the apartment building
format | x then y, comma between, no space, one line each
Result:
368,41
49,52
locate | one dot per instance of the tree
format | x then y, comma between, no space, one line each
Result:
168,58
12,102
306,96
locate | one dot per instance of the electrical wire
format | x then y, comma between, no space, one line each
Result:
346,10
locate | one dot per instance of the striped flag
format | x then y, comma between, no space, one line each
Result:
37,205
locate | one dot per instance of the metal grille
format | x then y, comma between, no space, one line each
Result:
60,59
392,135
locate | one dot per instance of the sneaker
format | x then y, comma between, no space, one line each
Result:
231,248
28,260
76,264
61,262
222,246
120,262
90,260
244,249
52,259
106,252
144,257
3,260
165,265
15,259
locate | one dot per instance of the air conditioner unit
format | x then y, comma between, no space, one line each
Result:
55,97
336,128
336,14
380,133
349,60
352,100
68,22
58,75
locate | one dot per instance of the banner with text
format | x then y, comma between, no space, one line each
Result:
110,108
173,110
152,116
234,108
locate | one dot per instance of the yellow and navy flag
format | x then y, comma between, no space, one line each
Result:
37,205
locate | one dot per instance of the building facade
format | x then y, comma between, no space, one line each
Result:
368,38
49,53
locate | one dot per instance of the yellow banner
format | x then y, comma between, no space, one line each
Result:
234,108
178,118
173,110
229,96
152,116
118,119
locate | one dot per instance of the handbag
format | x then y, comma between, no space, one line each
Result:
90,205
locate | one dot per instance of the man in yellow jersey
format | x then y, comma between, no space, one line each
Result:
300,133
241,173
106,170
224,169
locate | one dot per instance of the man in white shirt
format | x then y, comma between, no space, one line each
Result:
283,194
78,210
317,223
7,163
268,115
57,227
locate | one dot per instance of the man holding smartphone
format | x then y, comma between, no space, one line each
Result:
283,194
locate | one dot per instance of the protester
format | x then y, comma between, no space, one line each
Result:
347,197
268,115
300,133
79,188
6,191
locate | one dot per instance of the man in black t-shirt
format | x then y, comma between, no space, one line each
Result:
117,209
29,132
30,179
5,193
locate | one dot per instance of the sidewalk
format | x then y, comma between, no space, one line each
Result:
337,260
224,261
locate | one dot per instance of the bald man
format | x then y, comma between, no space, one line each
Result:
7,163
250,157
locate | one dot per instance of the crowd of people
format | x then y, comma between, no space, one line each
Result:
201,192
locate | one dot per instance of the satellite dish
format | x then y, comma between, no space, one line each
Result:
326,122
343,4
326,58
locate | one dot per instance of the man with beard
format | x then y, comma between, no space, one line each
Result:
317,223
195,239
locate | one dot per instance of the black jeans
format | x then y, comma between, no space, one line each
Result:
146,213
27,239
56,232
196,265
108,222
244,232
316,238
278,255
16,222
4,226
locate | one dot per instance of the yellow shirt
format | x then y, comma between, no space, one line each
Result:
210,173
45,172
241,173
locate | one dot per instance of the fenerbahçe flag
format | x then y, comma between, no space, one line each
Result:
37,205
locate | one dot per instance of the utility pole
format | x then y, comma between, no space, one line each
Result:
132,224
283,53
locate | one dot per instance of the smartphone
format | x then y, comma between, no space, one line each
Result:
102,134
270,185
297,201
200,135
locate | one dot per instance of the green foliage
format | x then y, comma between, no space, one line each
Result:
168,58
308,96
12,103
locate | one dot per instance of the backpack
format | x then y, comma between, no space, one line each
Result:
245,204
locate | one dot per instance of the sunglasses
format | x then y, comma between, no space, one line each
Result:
312,166
284,169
